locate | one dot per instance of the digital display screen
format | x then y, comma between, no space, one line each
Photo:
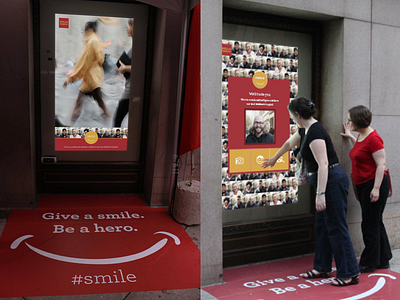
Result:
92,82
259,80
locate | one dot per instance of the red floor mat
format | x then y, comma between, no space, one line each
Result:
73,245
281,280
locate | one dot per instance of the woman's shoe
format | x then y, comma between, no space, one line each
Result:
345,282
314,274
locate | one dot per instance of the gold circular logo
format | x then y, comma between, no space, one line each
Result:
260,80
91,137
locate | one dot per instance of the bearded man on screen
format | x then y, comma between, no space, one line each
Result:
259,132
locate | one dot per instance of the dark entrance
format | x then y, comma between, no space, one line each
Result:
266,233
90,171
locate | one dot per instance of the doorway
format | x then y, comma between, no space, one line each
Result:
263,231
114,161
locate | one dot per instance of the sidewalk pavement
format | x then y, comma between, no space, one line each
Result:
394,266
190,294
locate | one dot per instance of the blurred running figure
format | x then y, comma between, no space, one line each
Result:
89,67
123,104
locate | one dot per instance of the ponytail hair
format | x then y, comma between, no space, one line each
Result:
304,107
91,25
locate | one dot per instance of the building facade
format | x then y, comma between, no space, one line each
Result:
354,42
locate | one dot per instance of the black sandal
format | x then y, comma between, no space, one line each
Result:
342,282
312,274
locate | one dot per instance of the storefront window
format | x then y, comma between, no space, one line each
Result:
261,195
91,105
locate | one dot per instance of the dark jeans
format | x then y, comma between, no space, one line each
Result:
333,238
377,248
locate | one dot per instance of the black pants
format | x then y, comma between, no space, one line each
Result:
377,248
122,110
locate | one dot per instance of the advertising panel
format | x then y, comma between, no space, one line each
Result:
92,82
258,82
261,123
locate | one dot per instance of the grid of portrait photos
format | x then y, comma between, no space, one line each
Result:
102,132
258,189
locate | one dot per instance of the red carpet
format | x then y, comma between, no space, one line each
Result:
73,245
281,280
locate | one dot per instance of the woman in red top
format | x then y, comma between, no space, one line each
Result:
372,186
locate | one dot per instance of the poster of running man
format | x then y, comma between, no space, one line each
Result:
92,82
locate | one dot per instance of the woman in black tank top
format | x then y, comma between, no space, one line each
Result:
331,185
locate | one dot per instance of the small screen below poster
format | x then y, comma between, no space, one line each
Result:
92,82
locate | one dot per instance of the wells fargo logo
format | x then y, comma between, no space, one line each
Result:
63,23
226,49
